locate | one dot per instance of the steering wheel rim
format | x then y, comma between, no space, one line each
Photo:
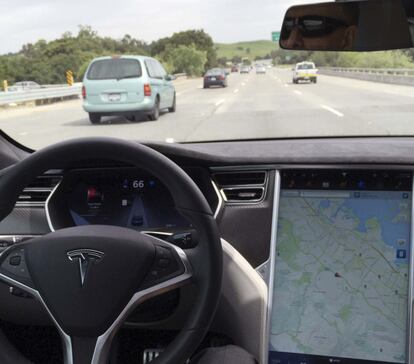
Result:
203,263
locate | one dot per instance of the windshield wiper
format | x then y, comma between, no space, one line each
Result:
127,76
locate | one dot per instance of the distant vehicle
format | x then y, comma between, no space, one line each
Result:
234,69
305,71
215,77
24,85
127,86
260,70
227,71
245,69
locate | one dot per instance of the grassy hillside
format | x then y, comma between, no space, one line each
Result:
258,48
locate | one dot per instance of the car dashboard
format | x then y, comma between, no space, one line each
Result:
324,224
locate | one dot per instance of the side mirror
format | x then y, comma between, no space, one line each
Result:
347,26
169,77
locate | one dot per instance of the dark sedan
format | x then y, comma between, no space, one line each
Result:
215,77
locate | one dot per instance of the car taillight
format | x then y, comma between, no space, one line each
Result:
147,89
221,78
83,92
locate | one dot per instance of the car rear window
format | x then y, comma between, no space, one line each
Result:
114,68
214,72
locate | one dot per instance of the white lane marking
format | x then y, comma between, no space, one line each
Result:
297,92
236,91
219,102
23,133
286,85
169,140
200,87
178,93
332,110
243,84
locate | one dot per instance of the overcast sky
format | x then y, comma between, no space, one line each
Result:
26,21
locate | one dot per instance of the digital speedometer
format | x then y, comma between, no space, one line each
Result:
120,196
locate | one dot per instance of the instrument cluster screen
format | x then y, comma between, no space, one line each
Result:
122,197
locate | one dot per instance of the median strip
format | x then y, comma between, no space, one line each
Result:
332,110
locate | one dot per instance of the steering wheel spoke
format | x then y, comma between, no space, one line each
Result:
166,279
13,269
170,262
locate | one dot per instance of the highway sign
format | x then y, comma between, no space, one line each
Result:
275,36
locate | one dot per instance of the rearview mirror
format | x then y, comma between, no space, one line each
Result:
348,26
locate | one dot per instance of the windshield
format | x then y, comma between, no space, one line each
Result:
132,71
305,66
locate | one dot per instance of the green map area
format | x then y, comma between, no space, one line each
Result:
341,277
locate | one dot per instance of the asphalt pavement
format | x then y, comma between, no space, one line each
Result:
252,106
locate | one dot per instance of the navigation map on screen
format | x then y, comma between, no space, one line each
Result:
341,277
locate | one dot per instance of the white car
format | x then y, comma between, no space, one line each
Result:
24,85
260,70
305,71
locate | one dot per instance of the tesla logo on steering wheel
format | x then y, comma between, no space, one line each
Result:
85,258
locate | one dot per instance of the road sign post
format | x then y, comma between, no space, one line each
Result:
5,86
275,37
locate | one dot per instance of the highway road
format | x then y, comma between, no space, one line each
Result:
253,106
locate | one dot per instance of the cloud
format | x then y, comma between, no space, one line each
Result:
26,21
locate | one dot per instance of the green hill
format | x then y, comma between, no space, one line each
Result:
258,48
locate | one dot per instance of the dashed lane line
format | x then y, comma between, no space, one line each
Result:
332,110
219,102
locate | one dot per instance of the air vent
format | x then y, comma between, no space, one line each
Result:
39,190
241,186
239,194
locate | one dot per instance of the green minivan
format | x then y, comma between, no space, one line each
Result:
127,86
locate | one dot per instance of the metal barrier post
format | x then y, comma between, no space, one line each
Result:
69,77
5,86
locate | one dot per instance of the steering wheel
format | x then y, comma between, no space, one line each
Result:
90,278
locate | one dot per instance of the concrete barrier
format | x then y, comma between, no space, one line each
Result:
392,76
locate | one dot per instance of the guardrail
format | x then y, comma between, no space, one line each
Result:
59,92
48,92
180,75
399,76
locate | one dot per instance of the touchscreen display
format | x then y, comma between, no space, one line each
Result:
341,273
